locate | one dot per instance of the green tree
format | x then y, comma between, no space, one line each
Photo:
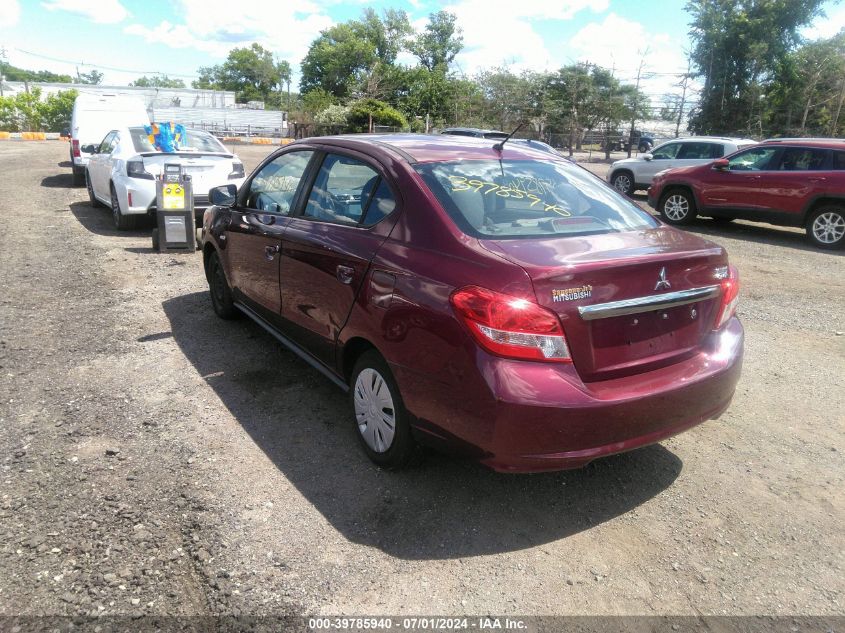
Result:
93,78
158,81
739,48
12,73
250,72
338,60
362,112
440,41
56,110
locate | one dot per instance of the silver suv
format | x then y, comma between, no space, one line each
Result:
630,174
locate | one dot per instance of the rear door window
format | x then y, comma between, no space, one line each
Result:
693,151
839,160
802,159
348,191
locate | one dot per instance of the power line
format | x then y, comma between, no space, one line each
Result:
121,70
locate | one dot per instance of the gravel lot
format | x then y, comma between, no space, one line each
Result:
158,460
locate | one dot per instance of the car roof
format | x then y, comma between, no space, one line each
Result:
473,130
424,148
713,139
825,143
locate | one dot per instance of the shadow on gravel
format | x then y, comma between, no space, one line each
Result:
444,508
99,221
760,233
61,181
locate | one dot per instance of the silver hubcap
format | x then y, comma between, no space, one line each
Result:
374,410
676,207
829,227
622,183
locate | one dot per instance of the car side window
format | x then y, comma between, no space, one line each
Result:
839,161
694,151
754,159
717,150
343,190
273,188
666,152
802,159
380,205
106,144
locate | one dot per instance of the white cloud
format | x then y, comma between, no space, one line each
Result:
618,43
99,11
213,27
826,27
10,13
500,32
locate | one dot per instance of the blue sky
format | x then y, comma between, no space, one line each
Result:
127,38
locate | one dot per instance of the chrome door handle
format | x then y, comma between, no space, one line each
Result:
345,274
270,252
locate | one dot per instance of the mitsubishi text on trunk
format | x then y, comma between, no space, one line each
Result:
484,297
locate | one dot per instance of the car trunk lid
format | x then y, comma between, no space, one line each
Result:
629,302
207,169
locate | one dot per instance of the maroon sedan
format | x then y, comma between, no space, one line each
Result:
494,299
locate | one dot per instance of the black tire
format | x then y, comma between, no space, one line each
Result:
677,207
623,182
644,147
121,222
401,448
218,287
78,175
155,239
91,197
826,227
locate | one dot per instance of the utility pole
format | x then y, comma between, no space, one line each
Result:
636,104
683,98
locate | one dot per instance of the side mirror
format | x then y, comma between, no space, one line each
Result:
721,164
223,196
647,156
89,149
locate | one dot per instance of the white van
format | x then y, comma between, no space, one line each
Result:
94,116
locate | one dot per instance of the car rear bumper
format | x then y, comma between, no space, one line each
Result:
542,417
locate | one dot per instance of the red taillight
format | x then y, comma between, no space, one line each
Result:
510,326
730,297
74,146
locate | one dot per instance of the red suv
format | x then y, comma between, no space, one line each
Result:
790,182
495,299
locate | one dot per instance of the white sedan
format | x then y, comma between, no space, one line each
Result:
122,170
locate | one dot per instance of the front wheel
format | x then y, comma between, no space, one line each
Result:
826,227
221,293
379,414
91,197
677,207
623,182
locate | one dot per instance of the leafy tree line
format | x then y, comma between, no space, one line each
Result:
760,78
27,112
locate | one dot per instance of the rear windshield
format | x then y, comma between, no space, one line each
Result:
529,198
194,141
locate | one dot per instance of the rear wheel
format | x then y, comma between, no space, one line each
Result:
78,175
826,227
379,414
122,222
677,206
623,182
91,197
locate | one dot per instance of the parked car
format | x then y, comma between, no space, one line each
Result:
511,306
790,182
474,132
93,116
622,141
121,171
630,174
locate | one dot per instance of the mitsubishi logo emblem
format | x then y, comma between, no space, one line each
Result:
662,282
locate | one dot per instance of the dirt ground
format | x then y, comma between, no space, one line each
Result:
158,460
